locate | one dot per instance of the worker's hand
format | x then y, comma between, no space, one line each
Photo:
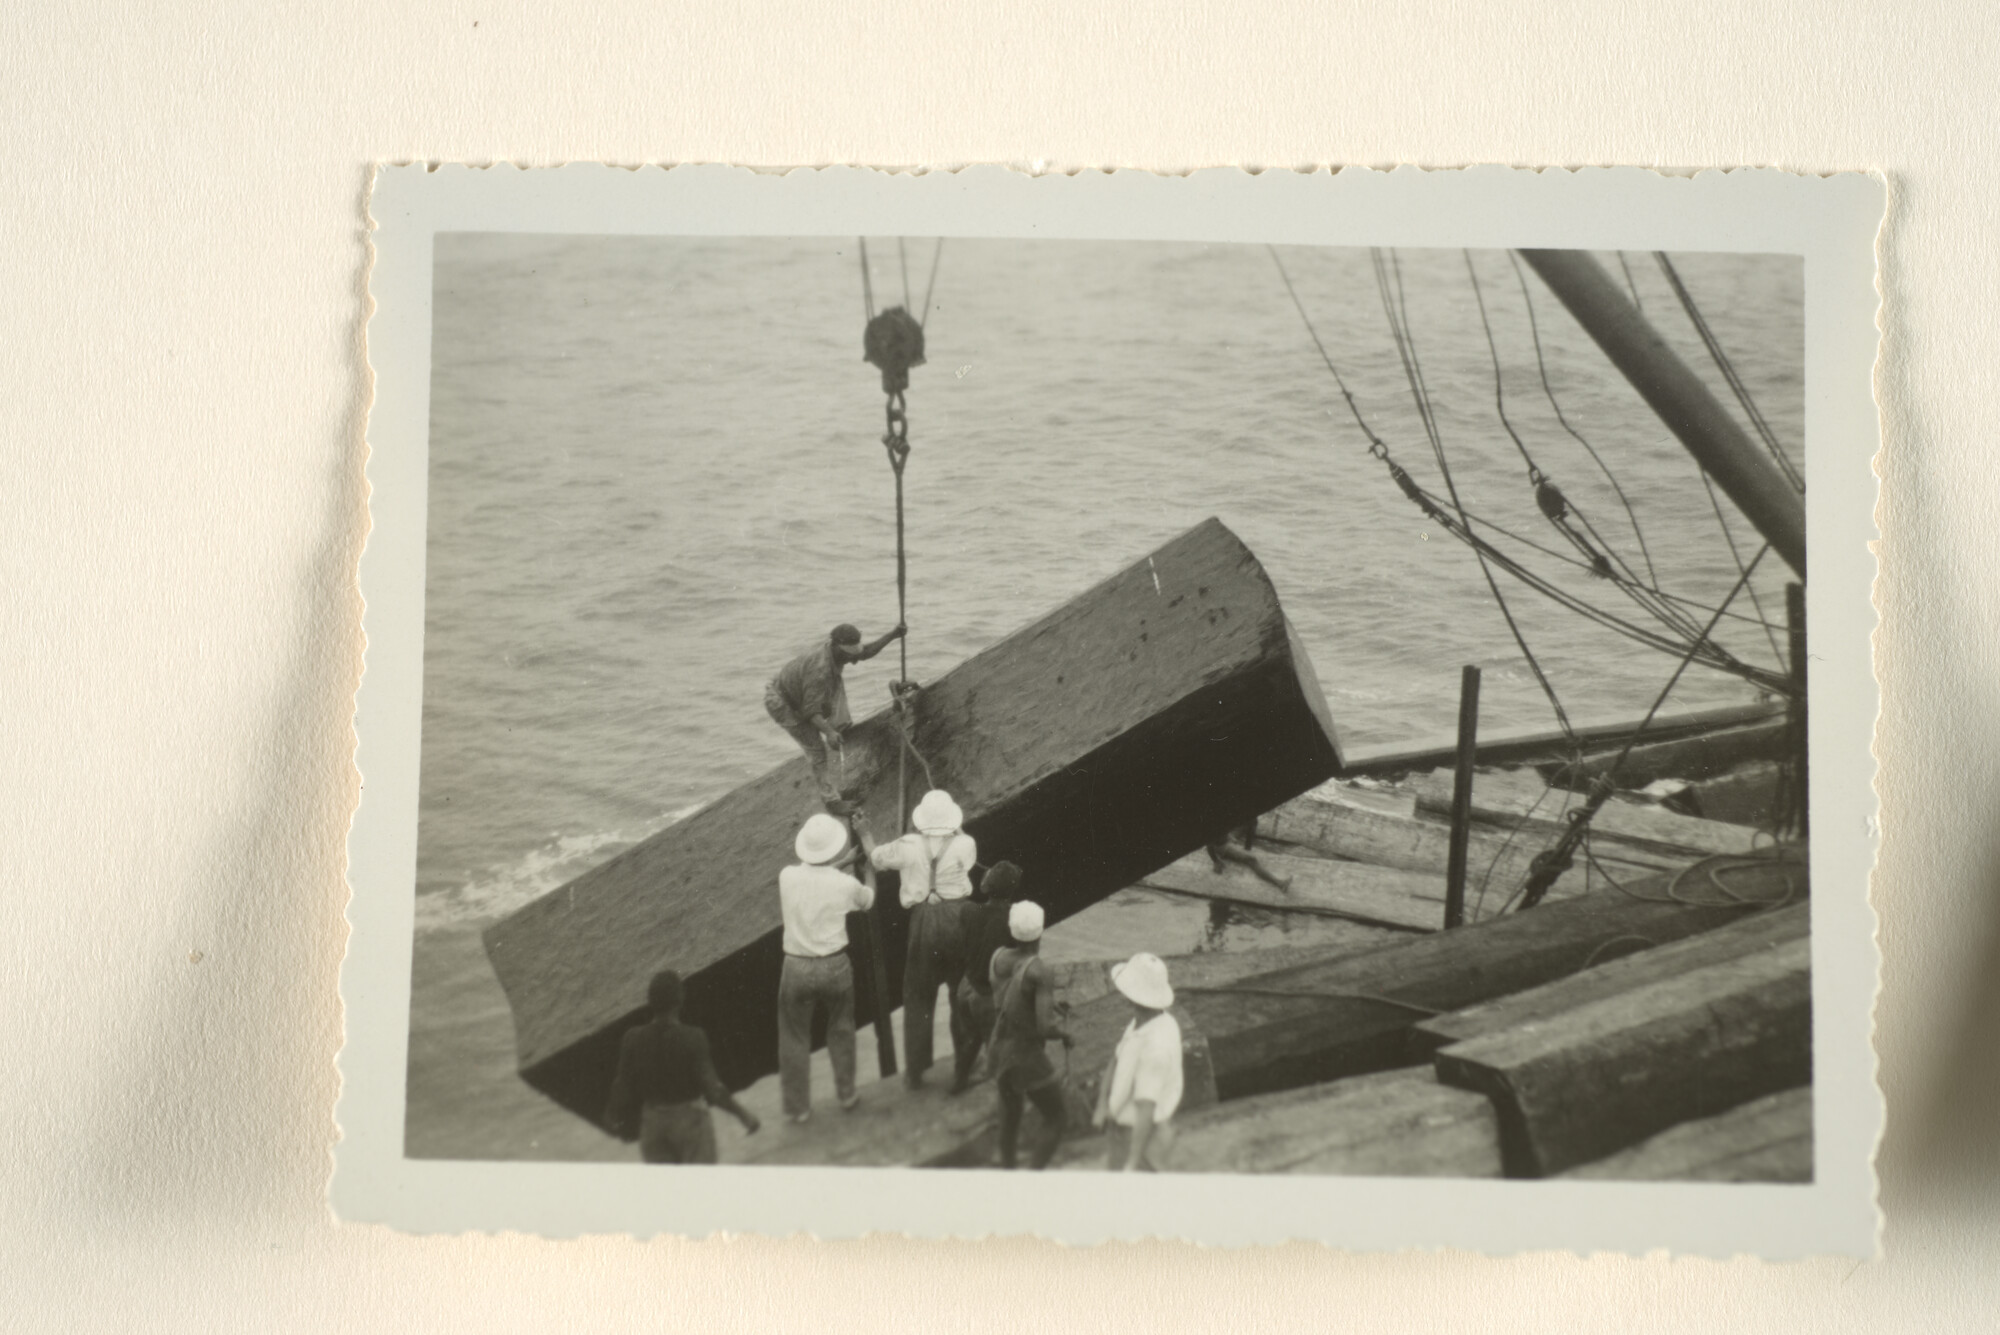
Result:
829,733
899,632
751,1126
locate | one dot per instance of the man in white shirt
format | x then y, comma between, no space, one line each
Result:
1141,1088
935,864
815,897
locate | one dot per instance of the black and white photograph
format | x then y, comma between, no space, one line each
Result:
1035,707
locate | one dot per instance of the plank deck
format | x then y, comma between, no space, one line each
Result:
1760,931
1144,716
1609,1073
1765,1140
1390,1124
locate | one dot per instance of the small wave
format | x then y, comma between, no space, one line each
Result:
503,888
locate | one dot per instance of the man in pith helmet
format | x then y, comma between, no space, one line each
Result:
809,701
935,862
814,898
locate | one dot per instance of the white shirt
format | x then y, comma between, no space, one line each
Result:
816,902
1149,1067
914,854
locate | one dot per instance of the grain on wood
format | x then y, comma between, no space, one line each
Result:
1506,797
1765,1140
1646,963
1609,1073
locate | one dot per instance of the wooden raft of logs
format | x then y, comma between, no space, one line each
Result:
1119,732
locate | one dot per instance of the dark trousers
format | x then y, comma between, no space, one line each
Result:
677,1133
936,959
971,1026
804,987
1047,1097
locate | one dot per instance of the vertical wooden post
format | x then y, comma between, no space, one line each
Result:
1461,796
1795,618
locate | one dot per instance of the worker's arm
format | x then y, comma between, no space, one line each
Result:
1103,1110
1045,1000
1142,1133
870,650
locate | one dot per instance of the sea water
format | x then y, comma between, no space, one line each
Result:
656,474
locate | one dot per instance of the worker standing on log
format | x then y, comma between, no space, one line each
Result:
666,1082
1221,852
935,863
808,700
1022,1071
986,934
815,898
1141,1088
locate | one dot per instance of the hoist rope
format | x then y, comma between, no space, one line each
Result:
937,253
903,260
867,285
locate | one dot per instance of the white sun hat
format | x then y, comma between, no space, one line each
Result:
937,814
821,839
1143,979
1024,920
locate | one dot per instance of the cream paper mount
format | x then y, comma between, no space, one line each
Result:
1202,498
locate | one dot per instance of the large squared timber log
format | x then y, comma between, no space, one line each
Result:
1613,1072
1117,733
1765,1140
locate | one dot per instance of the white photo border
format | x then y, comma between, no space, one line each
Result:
1832,222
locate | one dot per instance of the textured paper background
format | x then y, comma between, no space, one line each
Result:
179,411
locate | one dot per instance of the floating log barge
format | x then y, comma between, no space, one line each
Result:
1118,733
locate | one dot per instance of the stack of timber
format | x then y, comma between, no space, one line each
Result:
1593,1064
1111,737
1353,1014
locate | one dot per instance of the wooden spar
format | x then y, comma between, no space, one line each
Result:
1525,745
1609,1073
1697,757
1353,1014
1121,731
1680,398
1461,796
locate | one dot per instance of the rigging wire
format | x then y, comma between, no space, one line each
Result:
1542,365
937,253
1413,371
1729,372
1637,304
1557,507
1722,521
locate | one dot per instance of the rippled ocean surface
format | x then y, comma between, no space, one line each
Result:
655,474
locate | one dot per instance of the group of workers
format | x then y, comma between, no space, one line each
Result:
980,942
